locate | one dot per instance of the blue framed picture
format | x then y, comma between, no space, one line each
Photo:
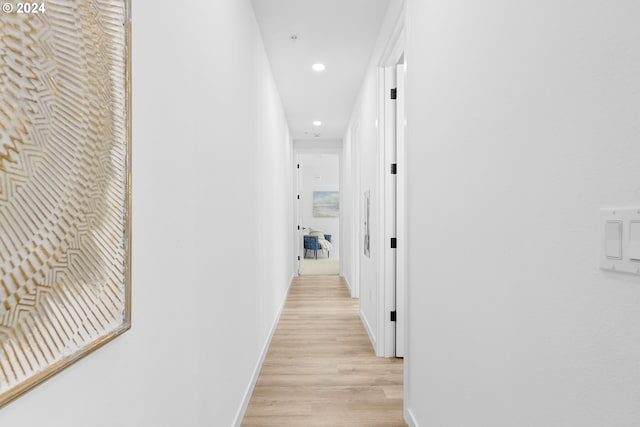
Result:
326,203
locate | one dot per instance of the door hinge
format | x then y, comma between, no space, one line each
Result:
393,316
394,243
298,197
298,257
298,228
298,165
394,168
394,93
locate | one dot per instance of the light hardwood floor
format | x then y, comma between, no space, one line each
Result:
321,369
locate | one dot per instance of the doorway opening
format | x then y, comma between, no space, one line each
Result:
319,213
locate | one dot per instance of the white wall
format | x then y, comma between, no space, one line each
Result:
212,202
350,219
317,146
361,173
320,172
523,120
366,149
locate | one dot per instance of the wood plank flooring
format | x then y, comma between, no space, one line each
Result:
321,369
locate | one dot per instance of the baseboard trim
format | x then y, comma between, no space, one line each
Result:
410,418
348,285
367,327
263,354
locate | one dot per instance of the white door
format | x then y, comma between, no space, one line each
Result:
389,214
394,211
400,211
299,215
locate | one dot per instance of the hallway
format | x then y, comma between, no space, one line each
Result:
521,128
320,369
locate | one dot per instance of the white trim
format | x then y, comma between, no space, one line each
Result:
341,219
263,354
348,284
401,215
367,327
410,418
297,221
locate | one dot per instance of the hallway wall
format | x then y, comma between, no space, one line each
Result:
212,216
349,206
364,146
361,173
523,121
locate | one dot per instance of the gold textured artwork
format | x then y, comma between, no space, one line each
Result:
64,184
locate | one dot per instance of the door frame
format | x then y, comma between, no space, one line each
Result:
322,147
392,274
298,212
401,212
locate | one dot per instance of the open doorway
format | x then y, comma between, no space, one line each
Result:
319,213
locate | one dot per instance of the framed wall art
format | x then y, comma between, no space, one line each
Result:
65,186
326,203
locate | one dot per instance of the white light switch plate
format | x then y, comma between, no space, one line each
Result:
620,239
613,239
634,241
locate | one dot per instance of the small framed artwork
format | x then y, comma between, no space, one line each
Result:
326,203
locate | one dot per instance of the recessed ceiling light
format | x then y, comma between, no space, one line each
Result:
318,67
317,123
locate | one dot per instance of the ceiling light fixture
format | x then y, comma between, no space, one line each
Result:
318,67
317,123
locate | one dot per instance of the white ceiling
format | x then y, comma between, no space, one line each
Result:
338,33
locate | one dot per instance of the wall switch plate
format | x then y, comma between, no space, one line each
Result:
613,239
634,240
620,240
